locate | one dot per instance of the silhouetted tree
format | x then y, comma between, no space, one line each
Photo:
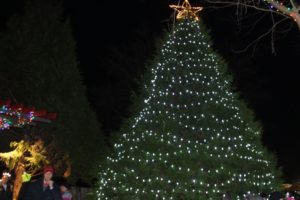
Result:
38,67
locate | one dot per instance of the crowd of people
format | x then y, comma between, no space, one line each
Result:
43,188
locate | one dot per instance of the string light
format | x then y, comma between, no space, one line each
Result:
292,12
18,116
14,117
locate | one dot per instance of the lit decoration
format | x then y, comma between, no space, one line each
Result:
26,177
292,10
192,137
186,10
18,115
286,186
24,156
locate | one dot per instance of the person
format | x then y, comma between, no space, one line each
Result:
264,196
5,187
23,190
65,193
276,196
44,188
289,197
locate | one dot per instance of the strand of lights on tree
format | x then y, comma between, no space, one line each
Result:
18,116
189,133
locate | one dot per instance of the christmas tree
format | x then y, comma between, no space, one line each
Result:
193,138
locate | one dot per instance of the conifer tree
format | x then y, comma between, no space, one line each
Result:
39,67
193,137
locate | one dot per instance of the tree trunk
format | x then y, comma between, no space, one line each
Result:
18,181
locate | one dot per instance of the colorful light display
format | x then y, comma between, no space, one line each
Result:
17,115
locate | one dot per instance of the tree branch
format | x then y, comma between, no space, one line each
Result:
280,8
271,30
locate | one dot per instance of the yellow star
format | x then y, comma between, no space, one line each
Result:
186,10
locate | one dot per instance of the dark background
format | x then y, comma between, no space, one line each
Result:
115,39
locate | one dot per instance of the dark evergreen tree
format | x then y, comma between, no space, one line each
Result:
193,138
38,67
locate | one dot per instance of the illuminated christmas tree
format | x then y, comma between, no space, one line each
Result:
193,138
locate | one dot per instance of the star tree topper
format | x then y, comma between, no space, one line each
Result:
186,10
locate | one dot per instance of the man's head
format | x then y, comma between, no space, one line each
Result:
5,177
63,188
48,173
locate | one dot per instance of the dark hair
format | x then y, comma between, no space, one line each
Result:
263,195
67,185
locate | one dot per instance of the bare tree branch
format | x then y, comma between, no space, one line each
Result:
280,8
289,10
271,30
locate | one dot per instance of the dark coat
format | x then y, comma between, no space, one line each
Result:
36,191
5,194
276,196
23,190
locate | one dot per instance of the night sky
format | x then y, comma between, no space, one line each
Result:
267,82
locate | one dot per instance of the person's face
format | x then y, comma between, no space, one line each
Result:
63,188
4,179
48,176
